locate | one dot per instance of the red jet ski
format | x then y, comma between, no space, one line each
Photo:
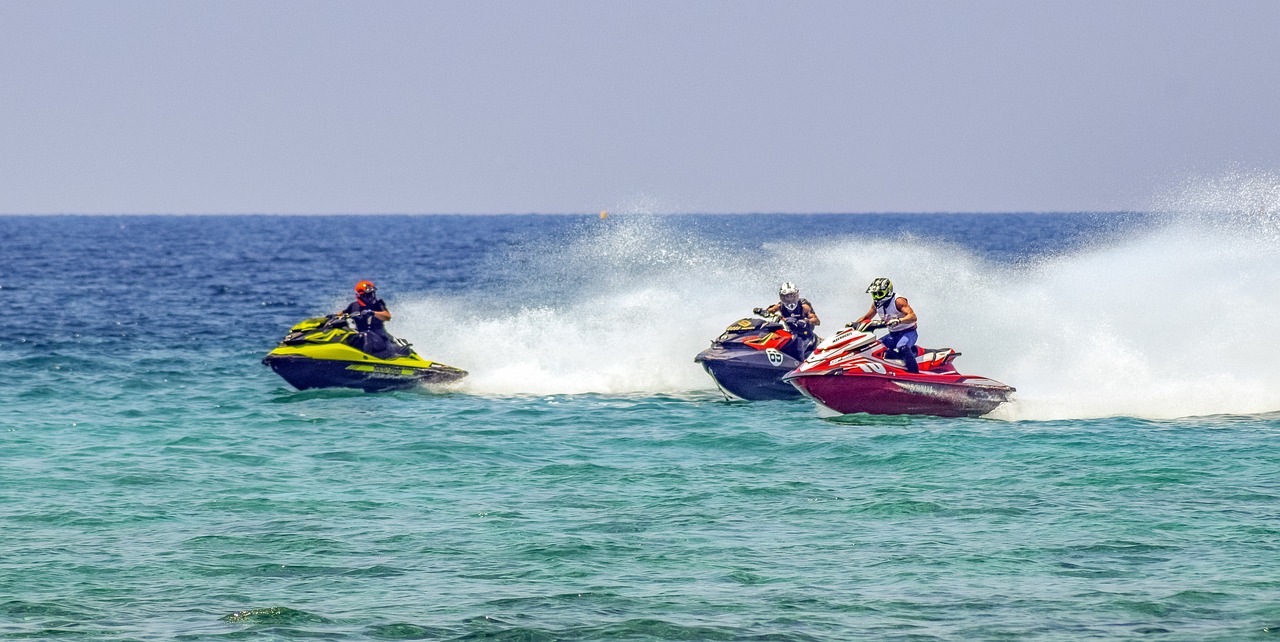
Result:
849,373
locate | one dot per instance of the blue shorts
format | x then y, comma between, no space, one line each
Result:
899,341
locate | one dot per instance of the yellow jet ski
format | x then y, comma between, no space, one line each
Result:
323,352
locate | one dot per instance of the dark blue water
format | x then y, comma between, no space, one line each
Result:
586,482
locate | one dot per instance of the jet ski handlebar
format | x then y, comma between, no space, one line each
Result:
778,318
339,319
343,316
866,326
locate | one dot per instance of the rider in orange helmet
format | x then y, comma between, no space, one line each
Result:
370,313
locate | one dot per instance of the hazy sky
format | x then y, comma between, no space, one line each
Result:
692,106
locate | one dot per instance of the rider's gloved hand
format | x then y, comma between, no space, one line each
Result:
892,322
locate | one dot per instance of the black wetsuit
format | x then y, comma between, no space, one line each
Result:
805,338
373,333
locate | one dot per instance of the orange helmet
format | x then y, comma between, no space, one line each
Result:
366,289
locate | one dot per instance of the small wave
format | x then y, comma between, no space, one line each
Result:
406,631
24,609
275,616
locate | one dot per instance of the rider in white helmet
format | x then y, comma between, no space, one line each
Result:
896,314
796,312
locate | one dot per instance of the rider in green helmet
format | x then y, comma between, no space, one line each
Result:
896,314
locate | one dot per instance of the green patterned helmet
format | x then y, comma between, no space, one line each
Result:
881,290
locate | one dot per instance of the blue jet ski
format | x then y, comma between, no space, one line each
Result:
748,360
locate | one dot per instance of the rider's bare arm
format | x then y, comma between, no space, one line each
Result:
811,316
908,315
870,313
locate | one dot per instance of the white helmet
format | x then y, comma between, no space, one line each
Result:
789,295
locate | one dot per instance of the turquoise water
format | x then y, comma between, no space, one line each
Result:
157,482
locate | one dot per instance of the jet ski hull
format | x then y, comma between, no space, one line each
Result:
747,361
904,395
305,373
852,373
749,375
321,353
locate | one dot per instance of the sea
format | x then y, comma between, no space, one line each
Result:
587,481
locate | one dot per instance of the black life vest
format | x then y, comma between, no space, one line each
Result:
796,312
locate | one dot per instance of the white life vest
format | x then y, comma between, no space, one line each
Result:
890,311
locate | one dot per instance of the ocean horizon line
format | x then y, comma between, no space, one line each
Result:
609,213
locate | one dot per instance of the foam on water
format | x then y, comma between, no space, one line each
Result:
621,309
1176,323
1171,321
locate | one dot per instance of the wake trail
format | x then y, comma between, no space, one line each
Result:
1172,321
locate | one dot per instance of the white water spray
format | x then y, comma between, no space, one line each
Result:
1175,321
